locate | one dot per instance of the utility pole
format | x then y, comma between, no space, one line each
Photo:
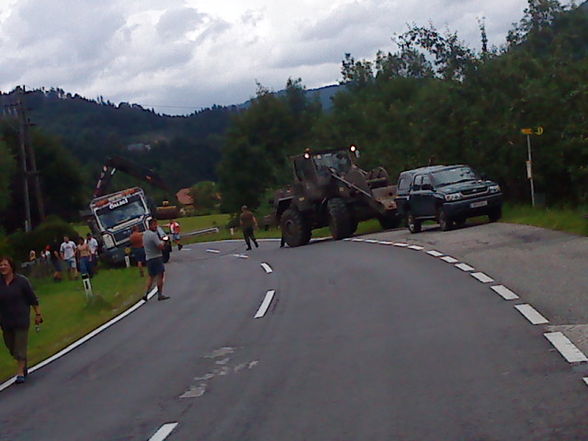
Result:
25,122
25,171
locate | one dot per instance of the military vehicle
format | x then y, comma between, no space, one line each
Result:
329,189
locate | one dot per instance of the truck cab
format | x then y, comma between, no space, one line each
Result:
112,217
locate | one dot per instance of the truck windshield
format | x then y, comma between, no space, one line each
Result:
453,176
112,217
337,160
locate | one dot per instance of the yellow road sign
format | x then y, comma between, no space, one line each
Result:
527,131
539,131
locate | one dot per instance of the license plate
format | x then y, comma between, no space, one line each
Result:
478,204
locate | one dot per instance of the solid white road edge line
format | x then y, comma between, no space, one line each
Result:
565,347
464,267
435,253
449,259
531,314
266,267
504,292
484,278
82,340
265,304
163,432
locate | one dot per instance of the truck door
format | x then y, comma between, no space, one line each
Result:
421,197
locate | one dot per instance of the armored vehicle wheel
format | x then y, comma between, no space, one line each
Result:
295,229
340,222
445,222
495,214
414,225
389,220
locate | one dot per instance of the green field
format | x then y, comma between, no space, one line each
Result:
570,220
68,316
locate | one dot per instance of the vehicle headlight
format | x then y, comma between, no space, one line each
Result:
453,197
108,240
494,189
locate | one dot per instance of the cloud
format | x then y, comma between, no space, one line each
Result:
204,52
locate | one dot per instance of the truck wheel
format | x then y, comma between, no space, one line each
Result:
414,225
295,229
445,222
390,220
460,222
340,222
495,214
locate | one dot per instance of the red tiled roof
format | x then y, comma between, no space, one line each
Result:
184,197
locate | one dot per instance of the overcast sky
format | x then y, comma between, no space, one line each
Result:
180,55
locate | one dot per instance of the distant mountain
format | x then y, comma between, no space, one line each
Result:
323,94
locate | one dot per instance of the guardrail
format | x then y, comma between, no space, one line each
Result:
196,233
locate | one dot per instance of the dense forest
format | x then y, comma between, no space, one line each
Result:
437,101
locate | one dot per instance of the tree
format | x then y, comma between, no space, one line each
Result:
205,195
7,169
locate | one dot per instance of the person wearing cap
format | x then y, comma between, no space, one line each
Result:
248,223
16,298
153,246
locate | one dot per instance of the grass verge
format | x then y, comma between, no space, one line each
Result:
570,220
68,316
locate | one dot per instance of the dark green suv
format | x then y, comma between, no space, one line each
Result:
447,194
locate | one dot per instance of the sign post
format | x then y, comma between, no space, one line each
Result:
528,132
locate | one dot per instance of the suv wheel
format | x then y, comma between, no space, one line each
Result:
340,222
445,222
495,214
295,229
414,225
460,222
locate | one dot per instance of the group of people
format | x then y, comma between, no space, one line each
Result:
75,258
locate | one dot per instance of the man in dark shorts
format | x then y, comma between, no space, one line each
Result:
155,268
248,223
137,250
16,299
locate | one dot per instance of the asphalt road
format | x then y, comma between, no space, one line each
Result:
360,342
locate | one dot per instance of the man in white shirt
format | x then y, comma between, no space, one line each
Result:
67,250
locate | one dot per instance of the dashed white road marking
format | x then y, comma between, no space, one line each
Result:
531,314
210,250
371,241
240,256
565,347
163,432
585,380
416,247
464,267
82,340
435,253
504,292
484,278
400,244
266,268
265,304
385,242
356,240
449,259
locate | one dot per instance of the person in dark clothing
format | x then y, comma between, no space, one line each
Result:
248,223
16,299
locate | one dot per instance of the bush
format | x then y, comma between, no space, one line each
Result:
47,233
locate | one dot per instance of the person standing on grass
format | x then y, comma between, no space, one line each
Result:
93,244
84,257
137,250
248,224
155,267
174,229
16,299
68,255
